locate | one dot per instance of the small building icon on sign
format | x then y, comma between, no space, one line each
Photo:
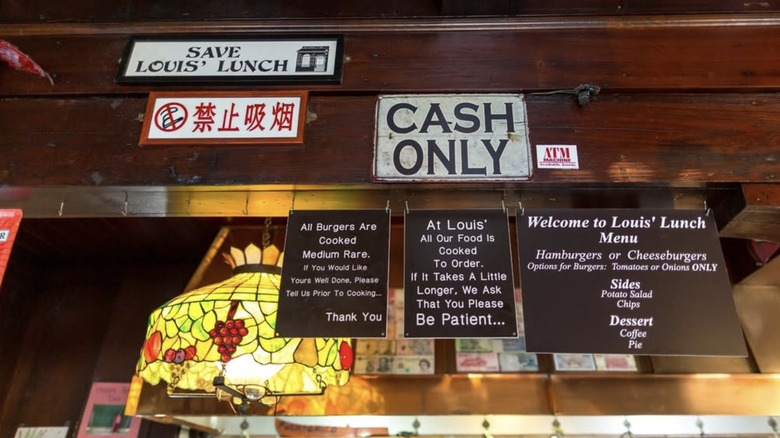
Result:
312,58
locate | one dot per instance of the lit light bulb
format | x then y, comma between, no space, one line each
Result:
245,371
254,392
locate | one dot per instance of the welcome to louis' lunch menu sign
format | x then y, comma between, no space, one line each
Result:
647,282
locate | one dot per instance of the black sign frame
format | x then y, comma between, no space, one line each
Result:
625,281
335,78
453,288
320,294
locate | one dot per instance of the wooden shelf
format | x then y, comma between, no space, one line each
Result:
531,394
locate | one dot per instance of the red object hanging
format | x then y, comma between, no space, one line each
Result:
18,60
346,356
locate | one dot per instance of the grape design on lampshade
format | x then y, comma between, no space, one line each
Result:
227,335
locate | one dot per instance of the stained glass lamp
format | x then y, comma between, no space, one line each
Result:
219,340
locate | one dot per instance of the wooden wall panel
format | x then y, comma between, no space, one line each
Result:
640,53
92,10
612,55
85,323
758,215
456,394
17,296
64,330
685,100
599,7
702,394
667,138
125,10
758,307
675,138
142,289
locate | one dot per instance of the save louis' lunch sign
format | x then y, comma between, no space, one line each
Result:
231,59
452,137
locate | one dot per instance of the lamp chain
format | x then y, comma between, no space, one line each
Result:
245,428
485,426
557,429
627,433
267,233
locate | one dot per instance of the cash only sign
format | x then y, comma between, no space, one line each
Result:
452,137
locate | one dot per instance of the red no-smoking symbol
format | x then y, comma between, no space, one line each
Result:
170,117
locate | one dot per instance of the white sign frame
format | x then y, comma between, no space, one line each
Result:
452,138
557,156
274,117
230,59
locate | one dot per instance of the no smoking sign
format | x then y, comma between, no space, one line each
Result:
170,117
224,117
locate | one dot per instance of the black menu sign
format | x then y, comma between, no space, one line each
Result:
647,282
334,278
458,279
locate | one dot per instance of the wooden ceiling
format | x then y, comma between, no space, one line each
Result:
19,11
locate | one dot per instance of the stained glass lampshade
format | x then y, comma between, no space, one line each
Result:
221,340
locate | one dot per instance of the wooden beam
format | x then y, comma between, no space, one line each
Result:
90,10
758,306
211,202
651,53
682,394
666,139
757,217
527,394
595,7
395,395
